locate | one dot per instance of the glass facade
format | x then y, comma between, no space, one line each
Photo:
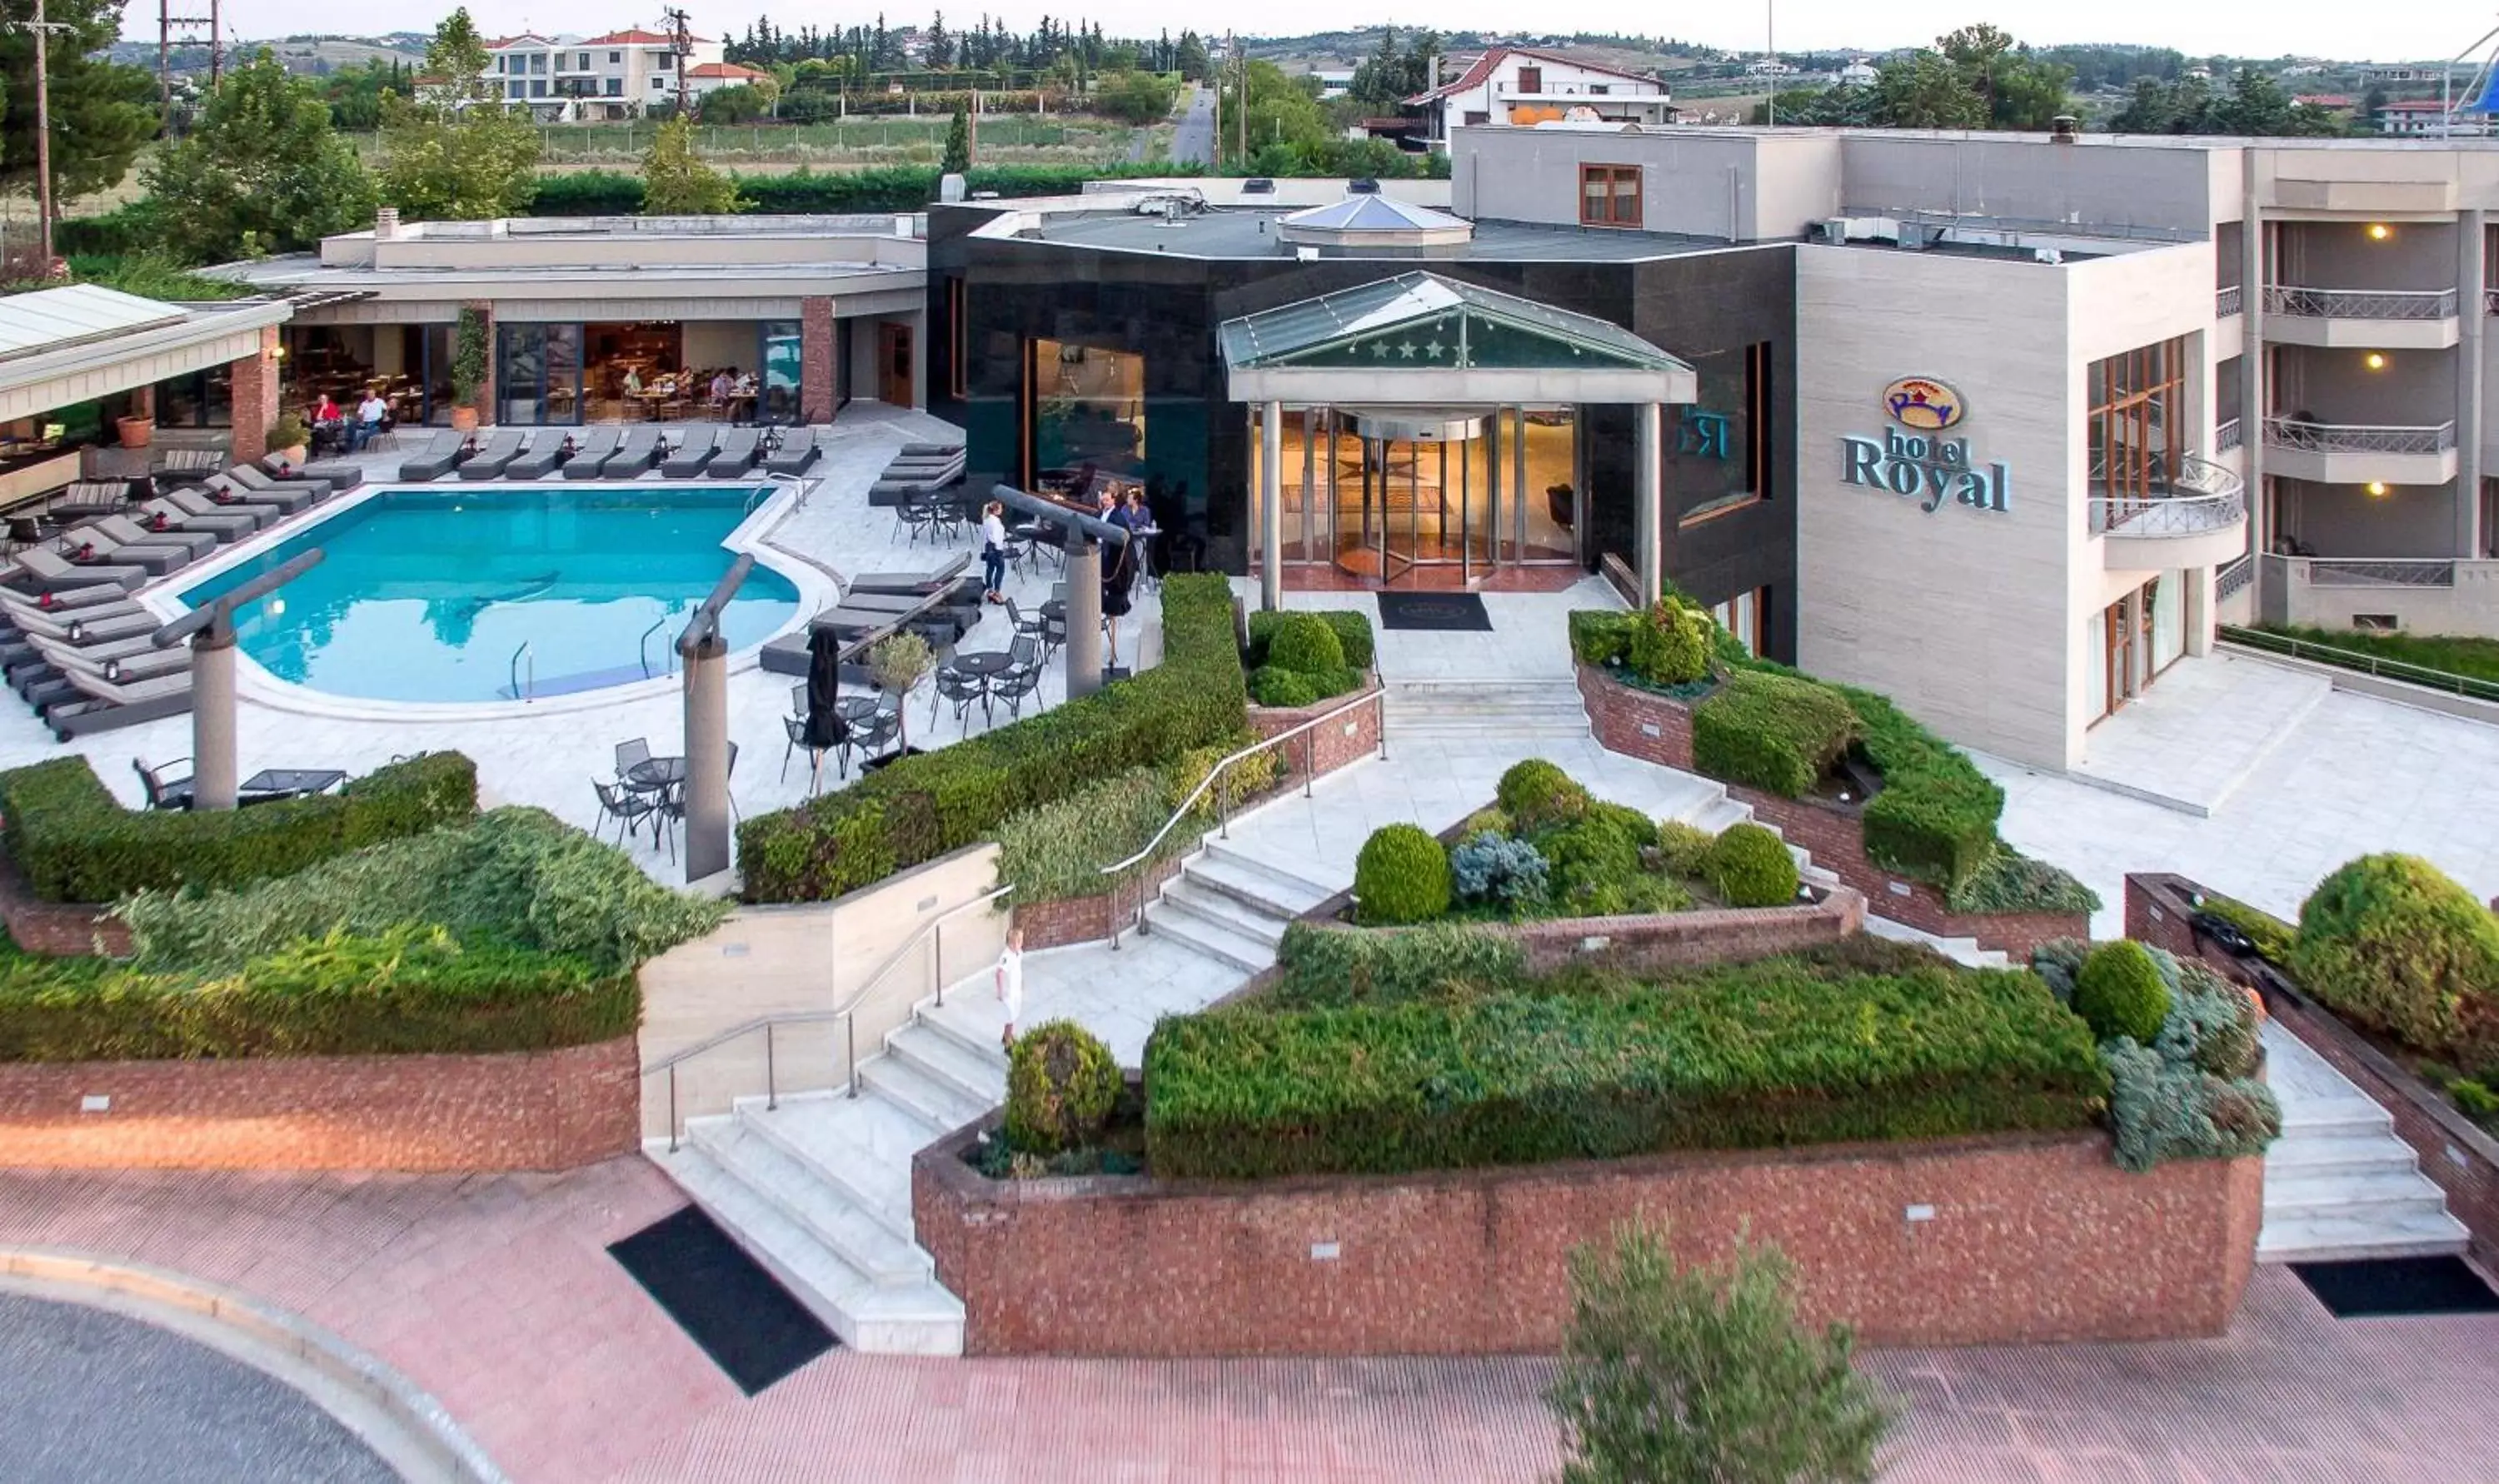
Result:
777,352
537,374
2136,428
1087,410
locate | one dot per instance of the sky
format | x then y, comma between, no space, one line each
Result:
2407,30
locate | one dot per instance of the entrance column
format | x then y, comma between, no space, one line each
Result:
1649,557
1271,506
255,391
2199,609
816,353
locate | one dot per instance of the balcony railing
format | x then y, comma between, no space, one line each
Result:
2357,438
2361,303
2197,498
2490,301
2229,435
2229,301
2378,572
2234,578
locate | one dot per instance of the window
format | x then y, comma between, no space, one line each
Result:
498,63
1531,79
516,89
1741,615
537,62
1087,407
958,341
780,356
615,87
1718,453
1478,117
1609,195
2136,428
657,83
537,87
581,63
664,60
615,58
559,61
1598,89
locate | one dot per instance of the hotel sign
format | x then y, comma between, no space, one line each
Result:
1914,460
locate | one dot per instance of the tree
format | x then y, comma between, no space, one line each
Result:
1923,90
1134,97
677,183
1683,1375
456,152
2255,106
262,171
959,144
102,112
1189,58
740,103
940,47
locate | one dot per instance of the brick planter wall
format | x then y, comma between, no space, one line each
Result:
2026,1239
524,1111
59,930
1322,750
2453,1152
1088,919
1657,729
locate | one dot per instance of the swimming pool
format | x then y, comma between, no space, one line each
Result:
427,595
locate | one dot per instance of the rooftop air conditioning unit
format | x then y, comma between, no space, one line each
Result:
1834,231
2053,257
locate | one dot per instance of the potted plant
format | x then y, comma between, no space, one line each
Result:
287,436
899,662
468,370
137,431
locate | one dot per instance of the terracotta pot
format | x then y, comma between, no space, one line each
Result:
293,456
464,419
136,431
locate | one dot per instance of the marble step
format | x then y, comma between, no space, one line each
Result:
938,1104
2316,1236
2305,1117
947,1060
825,1209
1229,869
863,1144
1204,936
2296,1154
971,1018
1224,911
1961,950
2388,1194
1716,814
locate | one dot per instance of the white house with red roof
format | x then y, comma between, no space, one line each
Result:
615,76
1520,85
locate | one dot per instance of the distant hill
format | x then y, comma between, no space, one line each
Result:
314,55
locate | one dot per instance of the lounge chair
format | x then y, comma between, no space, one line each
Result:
640,451
891,491
102,496
490,462
928,450
797,450
129,532
692,455
47,683
440,458
104,626
593,448
42,571
89,546
224,525
289,498
259,482
340,477
98,597
547,450
736,454
931,581
105,704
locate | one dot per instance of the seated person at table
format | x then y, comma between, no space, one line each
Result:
371,414
632,382
326,411
723,384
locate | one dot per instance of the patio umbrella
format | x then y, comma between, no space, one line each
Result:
826,727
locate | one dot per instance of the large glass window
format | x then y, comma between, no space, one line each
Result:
538,373
201,400
781,359
1717,447
2136,428
1087,408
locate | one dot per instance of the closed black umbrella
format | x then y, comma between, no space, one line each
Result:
826,726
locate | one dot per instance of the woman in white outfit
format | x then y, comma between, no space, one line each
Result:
1010,976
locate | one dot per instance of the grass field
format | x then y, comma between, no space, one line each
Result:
1004,139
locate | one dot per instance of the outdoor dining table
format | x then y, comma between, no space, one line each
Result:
985,664
291,783
654,775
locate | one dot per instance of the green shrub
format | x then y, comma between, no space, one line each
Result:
76,843
2012,882
2119,993
1595,861
1600,636
514,876
2392,944
1537,796
1501,870
1062,1084
1352,630
1681,848
1776,1053
1244,780
2475,1100
2211,1024
2059,962
1400,876
1327,966
1670,643
1935,817
1056,851
2159,1111
923,806
405,990
1779,733
1304,642
1270,686
1749,866
2272,936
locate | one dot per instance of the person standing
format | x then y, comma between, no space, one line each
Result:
1119,570
993,551
1010,977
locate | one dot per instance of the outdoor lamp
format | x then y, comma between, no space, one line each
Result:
2379,232
2378,487
2375,360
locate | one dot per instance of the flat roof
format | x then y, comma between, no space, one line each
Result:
306,270
1238,233
54,318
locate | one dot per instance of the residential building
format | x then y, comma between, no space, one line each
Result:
1517,85
1859,72
611,77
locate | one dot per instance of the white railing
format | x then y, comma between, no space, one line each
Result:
2227,301
2198,496
2229,435
2230,580
2359,660
2359,303
2358,437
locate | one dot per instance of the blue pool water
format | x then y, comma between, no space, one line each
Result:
425,595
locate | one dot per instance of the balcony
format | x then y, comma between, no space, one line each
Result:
2228,302
2228,436
2433,595
2381,319
2359,453
2195,517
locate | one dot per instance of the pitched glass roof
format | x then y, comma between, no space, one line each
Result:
51,318
1374,213
1421,320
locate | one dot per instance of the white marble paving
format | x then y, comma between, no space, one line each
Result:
2202,730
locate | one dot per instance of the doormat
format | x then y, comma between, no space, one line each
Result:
743,1319
1449,611
2399,1285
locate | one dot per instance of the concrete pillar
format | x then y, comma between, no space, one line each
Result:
2199,609
2255,392
255,398
2471,246
215,768
1271,506
818,348
1084,616
1649,554
707,696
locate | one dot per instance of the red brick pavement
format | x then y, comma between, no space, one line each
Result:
496,1295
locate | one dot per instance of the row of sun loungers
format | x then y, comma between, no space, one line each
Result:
918,469
874,599
85,659
611,453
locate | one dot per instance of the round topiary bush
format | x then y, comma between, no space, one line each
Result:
2119,993
1400,876
1062,1084
1303,642
1273,685
1669,644
1538,795
1749,866
2392,943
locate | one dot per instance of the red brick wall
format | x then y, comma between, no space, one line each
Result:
255,398
1090,919
60,929
2032,1238
1326,749
1658,729
818,388
525,1110
2462,1159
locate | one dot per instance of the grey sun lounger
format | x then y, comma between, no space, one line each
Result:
797,450
225,524
641,450
105,704
546,452
259,482
87,626
928,450
42,571
692,455
739,450
594,448
289,498
913,582
129,532
339,478
89,547
490,462
440,457
100,594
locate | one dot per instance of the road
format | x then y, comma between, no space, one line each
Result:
1194,142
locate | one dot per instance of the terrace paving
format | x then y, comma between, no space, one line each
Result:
495,1294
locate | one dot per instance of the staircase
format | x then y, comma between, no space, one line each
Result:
2339,1184
1230,907
1508,709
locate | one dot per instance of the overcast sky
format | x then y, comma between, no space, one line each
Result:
2407,29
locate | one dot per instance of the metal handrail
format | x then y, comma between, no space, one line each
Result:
2361,660
2229,300
644,646
2228,435
847,1012
2375,571
513,672
1378,696
2359,303
2236,576
2164,516
2359,438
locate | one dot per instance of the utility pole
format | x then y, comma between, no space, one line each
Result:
1770,14
1240,67
173,30
681,41
43,127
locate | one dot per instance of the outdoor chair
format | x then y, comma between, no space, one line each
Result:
164,516
129,532
440,458
163,793
550,449
104,704
592,450
632,755
692,455
959,687
737,453
635,458
91,548
225,491
629,810
1021,680
260,484
1023,623
796,452
39,570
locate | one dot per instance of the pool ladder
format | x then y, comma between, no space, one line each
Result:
531,692
669,650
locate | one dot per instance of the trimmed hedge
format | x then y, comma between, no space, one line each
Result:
1777,1053
1749,866
2396,946
1061,1083
1353,633
1400,876
1779,733
2119,993
806,192
1331,966
402,992
76,843
920,807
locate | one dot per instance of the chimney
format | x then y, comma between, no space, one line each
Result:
386,224
2062,129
